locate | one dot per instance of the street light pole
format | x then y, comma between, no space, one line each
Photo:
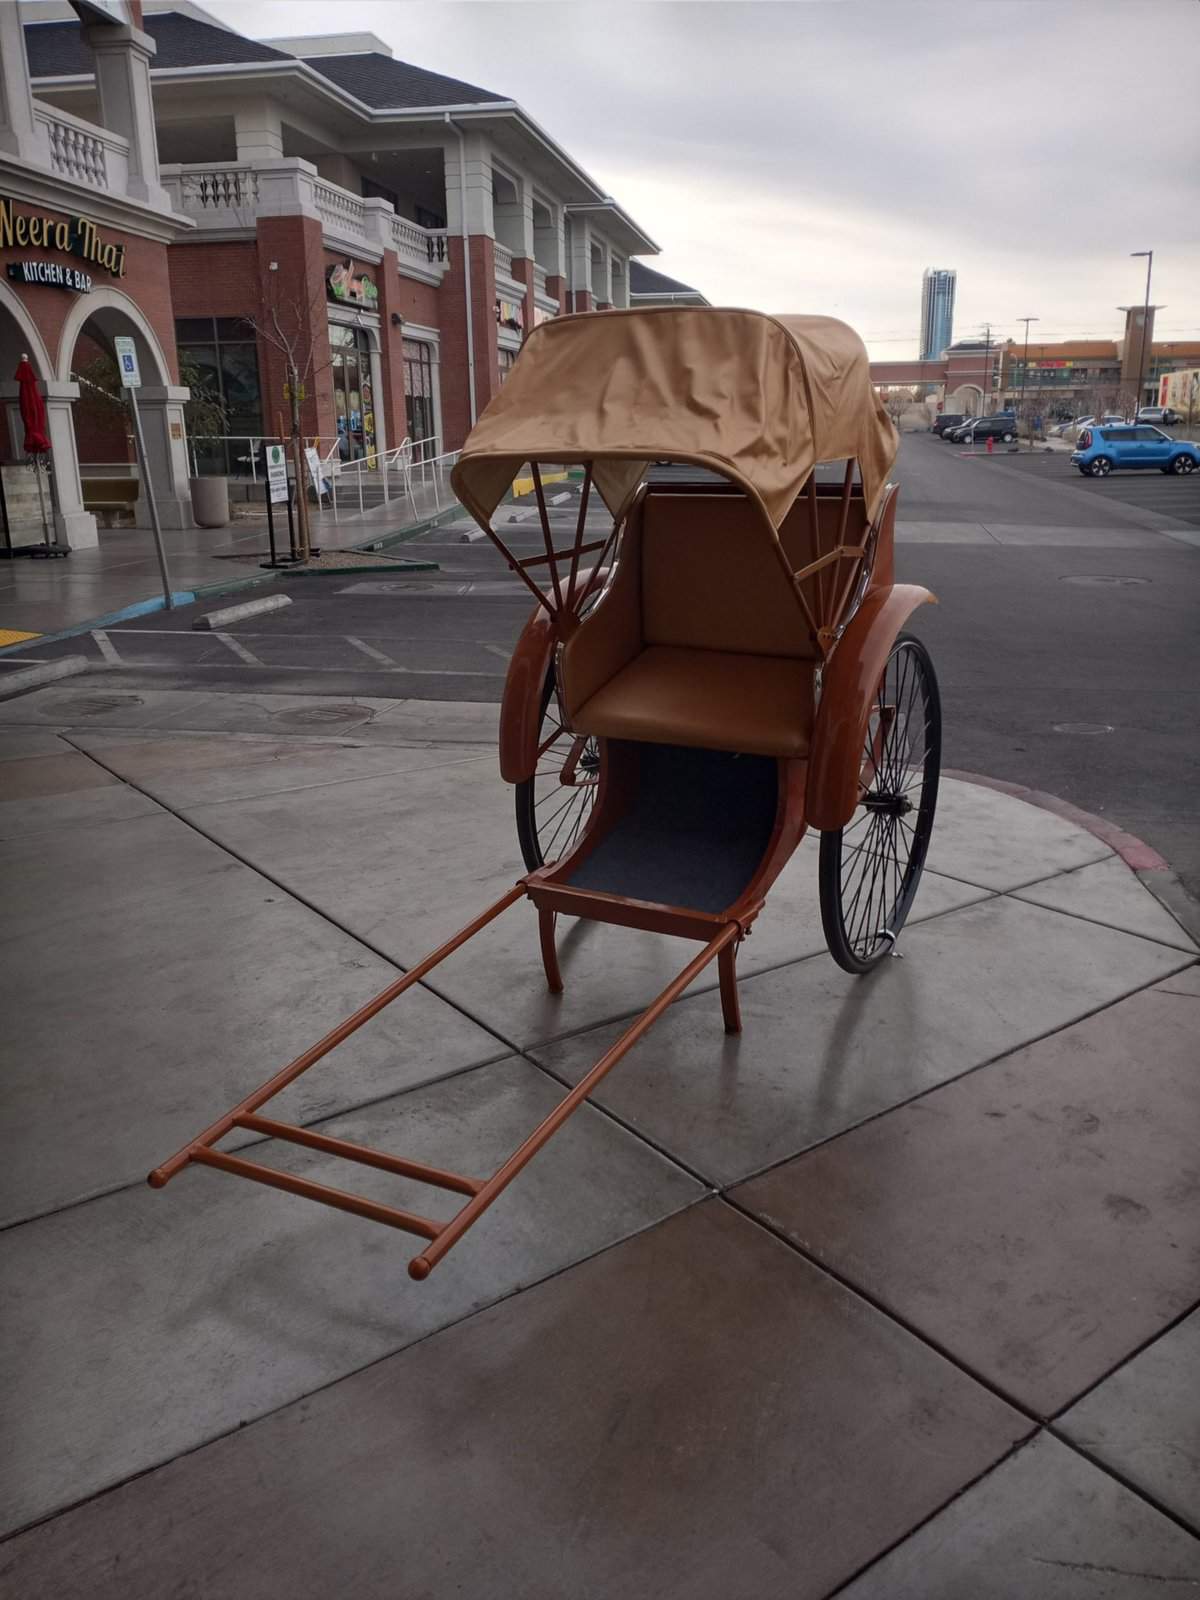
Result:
1025,368
1137,400
986,386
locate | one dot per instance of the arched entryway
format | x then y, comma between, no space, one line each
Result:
60,498
966,400
103,421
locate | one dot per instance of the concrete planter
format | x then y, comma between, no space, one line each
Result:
210,501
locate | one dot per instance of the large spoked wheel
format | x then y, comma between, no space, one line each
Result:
870,869
554,805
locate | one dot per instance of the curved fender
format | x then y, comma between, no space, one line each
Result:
521,708
851,679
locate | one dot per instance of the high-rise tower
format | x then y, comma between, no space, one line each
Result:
937,311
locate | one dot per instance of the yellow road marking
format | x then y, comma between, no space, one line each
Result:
16,636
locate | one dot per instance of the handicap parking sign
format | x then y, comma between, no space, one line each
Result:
127,362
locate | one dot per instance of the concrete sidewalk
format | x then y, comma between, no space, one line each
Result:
894,1295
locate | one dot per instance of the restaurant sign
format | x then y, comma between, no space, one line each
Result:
76,236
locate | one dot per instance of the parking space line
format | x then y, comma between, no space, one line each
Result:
106,647
369,650
238,648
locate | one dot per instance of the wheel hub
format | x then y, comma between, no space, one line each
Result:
887,805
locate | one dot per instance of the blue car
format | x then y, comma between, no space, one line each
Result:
1132,445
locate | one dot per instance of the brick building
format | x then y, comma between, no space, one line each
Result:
86,229
397,230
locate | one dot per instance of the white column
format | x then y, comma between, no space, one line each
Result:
166,456
602,274
550,246
581,256
20,134
514,221
258,129
73,526
469,186
123,81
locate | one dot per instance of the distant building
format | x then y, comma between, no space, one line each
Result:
937,311
650,288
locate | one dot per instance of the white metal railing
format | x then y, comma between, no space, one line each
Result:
83,151
244,450
539,278
504,259
380,468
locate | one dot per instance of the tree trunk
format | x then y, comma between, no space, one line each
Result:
298,466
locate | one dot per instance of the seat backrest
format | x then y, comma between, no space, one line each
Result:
711,580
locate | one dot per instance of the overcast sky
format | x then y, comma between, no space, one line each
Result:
817,155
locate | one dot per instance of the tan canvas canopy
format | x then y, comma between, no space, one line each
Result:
756,398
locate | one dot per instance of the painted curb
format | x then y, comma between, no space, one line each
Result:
1152,871
41,672
247,608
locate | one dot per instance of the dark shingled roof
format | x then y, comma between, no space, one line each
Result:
380,82
644,280
59,48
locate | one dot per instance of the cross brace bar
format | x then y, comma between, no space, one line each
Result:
442,1236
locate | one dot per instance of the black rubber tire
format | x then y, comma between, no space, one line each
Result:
526,800
1100,467
1007,438
860,953
527,836
1183,464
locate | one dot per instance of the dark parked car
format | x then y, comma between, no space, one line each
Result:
948,419
1002,426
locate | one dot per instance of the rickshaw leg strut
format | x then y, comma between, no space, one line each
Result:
481,1193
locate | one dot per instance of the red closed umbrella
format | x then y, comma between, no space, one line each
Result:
33,409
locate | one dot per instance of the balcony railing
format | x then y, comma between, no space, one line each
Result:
539,279
418,246
339,210
231,195
504,259
84,152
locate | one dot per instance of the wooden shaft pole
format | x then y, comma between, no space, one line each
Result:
282,1078
421,1266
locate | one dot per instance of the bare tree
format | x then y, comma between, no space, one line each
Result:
288,324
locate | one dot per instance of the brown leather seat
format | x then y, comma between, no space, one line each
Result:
714,699
699,641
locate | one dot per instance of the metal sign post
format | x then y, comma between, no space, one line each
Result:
131,380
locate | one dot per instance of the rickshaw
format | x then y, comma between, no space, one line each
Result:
721,667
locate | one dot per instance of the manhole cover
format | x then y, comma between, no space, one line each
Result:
320,716
95,705
1083,727
1105,580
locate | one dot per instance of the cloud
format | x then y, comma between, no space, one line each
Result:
818,155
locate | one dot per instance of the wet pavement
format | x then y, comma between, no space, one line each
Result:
895,1294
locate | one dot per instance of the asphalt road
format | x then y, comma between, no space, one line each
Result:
1065,638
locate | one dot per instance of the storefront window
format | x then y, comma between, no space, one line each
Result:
353,396
224,352
419,409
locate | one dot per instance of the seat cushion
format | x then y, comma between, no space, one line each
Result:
710,699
